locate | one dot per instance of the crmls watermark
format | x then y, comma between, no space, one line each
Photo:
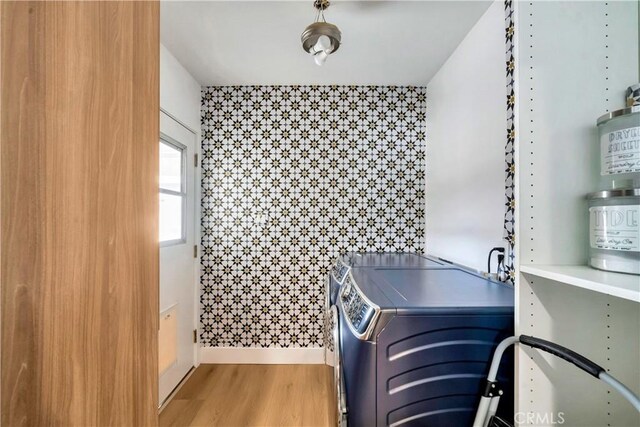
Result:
539,418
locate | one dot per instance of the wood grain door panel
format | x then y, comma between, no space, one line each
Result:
78,194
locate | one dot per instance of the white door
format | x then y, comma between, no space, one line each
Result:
177,254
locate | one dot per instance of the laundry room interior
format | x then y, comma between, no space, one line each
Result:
371,213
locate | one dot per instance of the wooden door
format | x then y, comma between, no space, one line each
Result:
79,208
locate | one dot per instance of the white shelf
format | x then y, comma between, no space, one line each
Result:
619,285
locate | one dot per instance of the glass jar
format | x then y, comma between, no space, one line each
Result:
614,230
619,133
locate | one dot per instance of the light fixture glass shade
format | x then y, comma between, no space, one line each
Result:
323,43
320,57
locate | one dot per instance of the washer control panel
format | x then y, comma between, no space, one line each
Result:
359,312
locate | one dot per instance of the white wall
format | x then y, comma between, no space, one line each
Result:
466,135
179,91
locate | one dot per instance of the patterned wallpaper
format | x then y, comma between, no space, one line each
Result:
292,176
509,149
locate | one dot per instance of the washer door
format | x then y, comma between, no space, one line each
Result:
338,378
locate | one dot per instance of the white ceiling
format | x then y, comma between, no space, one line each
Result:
258,42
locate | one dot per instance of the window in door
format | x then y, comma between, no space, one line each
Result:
173,193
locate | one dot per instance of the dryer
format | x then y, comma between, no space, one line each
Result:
415,344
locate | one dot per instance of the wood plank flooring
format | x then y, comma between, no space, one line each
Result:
253,395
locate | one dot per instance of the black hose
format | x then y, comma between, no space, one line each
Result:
564,353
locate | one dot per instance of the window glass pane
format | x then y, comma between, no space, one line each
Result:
170,167
170,217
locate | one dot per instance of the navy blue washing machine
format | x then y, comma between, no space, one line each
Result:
351,260
415,345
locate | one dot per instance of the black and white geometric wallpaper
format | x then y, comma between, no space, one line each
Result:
509,149
293,176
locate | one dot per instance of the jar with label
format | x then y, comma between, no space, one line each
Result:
619,133
614,230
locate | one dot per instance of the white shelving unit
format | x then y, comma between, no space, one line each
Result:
619,285
574,61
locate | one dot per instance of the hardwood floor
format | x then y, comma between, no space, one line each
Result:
253,395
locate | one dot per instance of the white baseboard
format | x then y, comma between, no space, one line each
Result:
329,358
266,356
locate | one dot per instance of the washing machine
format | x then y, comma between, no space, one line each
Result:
351,260
415,344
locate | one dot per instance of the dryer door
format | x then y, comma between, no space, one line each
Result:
338,378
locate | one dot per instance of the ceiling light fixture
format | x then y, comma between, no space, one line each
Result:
320,39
